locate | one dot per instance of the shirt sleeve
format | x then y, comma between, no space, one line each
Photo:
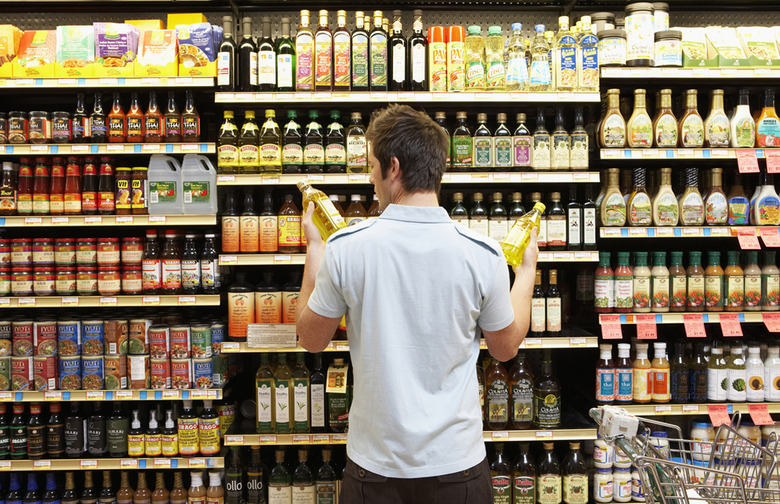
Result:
327,299
496,312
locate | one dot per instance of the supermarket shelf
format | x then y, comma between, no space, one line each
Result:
111,395
109,149
692,409
681,232
404,97
299,259
681,317
448,178
103,82
108,301
658,153
108,220
116,463
330,439
689,73
343,346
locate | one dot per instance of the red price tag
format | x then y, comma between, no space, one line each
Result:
646,327
719,414
694,325
729,324
760,414
772,160
611,328
772,322
747,161
770,236
748,239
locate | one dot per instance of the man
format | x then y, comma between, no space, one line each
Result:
416,289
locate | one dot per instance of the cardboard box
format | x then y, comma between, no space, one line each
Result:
158,54
210,70
75,51
146,24
10,36
185,19
169,70
37,51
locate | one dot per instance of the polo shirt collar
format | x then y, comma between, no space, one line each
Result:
406,213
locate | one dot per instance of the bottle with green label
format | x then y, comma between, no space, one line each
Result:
483,145
264,384
292,152
540,158
300,395
314,150
335,145
441,120
378,55
524,478
326,482
502,145
462,145
283,396
359,54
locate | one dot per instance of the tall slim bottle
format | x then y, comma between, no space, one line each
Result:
247,58
323,55
501,477
304,53
397,51
360,61
266,58
227,69
418,55
270,142
285,59
378,55
342,56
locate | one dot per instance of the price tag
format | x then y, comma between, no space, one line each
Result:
529,177
499,435
230,346
282,259
663,409
650,153
694,325
75,149
720,152
772,160
690,408
25,82
339,438
301,439
320,439
6,396
150,300
234,440
761,71
269,179
356,178
39,148
150,81
115,148
684,153
533,342
52,396
66,82
747,161
577,342
60,221
150,148
637,232
88,464
770,236
157,219
720,231
95,395
124,219
748,239
226,179
342,346
69,301
315,177
772,322
162,462
729,325
5,301
32,221
186,300
719,414
171,394
107,301
228,259
93,220
198,394
664,232
609,232
5,465
694,231
544,434
124,395
646,327
197,462
26,302
610,327
128,464
266,440
188,147
41,465
760,414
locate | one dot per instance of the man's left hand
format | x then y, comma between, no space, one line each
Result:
313,237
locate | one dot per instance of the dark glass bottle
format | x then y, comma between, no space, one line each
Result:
107,493
326,478
360,54
285,59
547,396
80,122
75,426
135,120
234,482
378,58
190,266
538,308
319,413
190,120
96,432
335,145
697,375
556,223
51,495
88,494
314,150
18,433
573,221
227,69
36,429
418,55
5,434
97,122
117,426
210,278
173,129
254,477
55,432
589,220
15,494
553,305
397,54
69,494
247,58
153,121
524,477
292,152
679,374
500,476
33,495
303,478
266,58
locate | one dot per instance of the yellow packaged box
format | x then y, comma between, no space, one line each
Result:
75,51
157,54
146,24
197,55
10,36
175,20
37,51
116,45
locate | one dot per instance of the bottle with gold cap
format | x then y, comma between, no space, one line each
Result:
304,53
357,147
378,55
459,213
323,55
519,236
270,144
326,217
342,73
248,142
227,145
359,58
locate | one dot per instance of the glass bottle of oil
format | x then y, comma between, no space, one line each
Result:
560,144
547,396
326,217
575,476
540,158
478,216
717,376
228,151
521,383
248,145
270,144
520,235
459,213
357,157
548,479
498,225
462,145
613,126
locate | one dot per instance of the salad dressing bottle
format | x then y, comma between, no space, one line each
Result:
752,281
661,392
691,124
716,126
641,283
770,282
643,375
695,272
666,208
640,126
737,375
613,126
678,283
713,283
717,376
640,208
665,130
613,206
766,210
660,283
739,204
735,283
743,126
691,203
768,124
624,375
716,207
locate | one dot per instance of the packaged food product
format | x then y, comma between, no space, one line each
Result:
196,45
725,42
92,372
115,372
37,52
138,371
45,373
21,373
115,46
75,50
157,54
10,36
70,373
758,41
5,373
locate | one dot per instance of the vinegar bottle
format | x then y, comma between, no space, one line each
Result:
289,227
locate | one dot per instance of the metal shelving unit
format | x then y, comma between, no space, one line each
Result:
108,220
108,301
333,98
108,149
111,395
108,464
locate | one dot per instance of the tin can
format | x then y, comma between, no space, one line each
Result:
92,337
109,282
22,338
159,342
181,374
69,338
86,252
200,336
139,341
217,337
108,252
21,282
117,334
65,252
161,373
44,281
21,252
180,342
132,251
45,373
5,252
65,281
138,371
86,281
45,338
92,372
6,338
70,372
132,281
43,252
5,373
202,374
21,373
115,372
5,282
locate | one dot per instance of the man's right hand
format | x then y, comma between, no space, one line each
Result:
313,236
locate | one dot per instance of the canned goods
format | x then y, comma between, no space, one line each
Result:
132,280
116,339
161,373
45,373
44,282
86,251
181,375
5,373
6,338
65,252
22,282
109,281
138,371
70,372
45,338
202,375
217,337
132,251
21,373
69,338
139,342
43,252
86,281
108,253
92,337
180,342
159,342
22,338
115,372
92,372
200,337
65,282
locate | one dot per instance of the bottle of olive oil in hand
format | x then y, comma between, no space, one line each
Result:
327,219
520,235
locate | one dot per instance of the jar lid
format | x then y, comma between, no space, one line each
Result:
132,267
140,168
107,269
61,113
64,240
605,34
39,113
122,168
661,6
21,269
131,238
20,240
622,469
602,16
701,425
639,6
604,470
668,35
659,434
87,240
86,269
104,240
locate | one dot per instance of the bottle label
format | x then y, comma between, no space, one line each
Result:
189,443
768,211
483,151
270,154
357,151
171,273
578,155
768,131
455,67
524,490
480,225
560,151
624,291
625,384
541,153
116,126
556,232
264,405
378,57
326,492
679,291
541,236
301,404
289,300
162,192
735,285
522,401
304,50
692,132
462,149
314,154
266,67
475,75
269,233
641,133
341,71
640,211
208,435
284,66
360,61
540,74
173,125
548,488
567,70
661,390
335,154
190,273
282,405
614,210
317,405
745,132
502,488
522,149
547,409
666,131
604,288
739,210
553,314
190,125
575,489
289,230
538,317
503,151
152,274
323,50
643,384
574,223
249,155
303,494
292,154
605,385
418,63
589,227
497,402
614,131
713,290
496,74
399,63
718,131
249,233
660,291
717,384
771,289
589,62
667,210
227,156
695,291
224,72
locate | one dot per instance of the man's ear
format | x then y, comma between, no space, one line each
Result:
394,170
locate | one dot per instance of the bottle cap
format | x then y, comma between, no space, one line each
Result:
517,26
475,30
494,30
539,28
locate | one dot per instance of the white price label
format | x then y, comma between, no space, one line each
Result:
95,395
499,435
79,148
60,221
32,221
69,301
115,148
39,148
128,463
226,179
151,148
26,302
93,220
188,147
124,219
186,300
150,300
107,301
157,219
663,409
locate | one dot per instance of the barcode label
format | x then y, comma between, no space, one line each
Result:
188,196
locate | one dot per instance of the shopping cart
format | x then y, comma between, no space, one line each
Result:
730,470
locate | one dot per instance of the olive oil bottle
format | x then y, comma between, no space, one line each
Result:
327,219
519,236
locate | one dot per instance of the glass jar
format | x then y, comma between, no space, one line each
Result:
640,30
61,127
660,16
64,252
602,454
43,281
39,128
132,280
750,431
21,282
108,252
5,281
602,485
5,252
65,282
668,48
660,440
86,252
17,127
769,436
21,252
123,177
86,280
621,485
43,252
602,21
132,251
612,48
109,281
3,128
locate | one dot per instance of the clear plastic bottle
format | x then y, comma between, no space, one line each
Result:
755,375
772,374
515,60
494,59
565,56
541,77
737,372
475,59
661,391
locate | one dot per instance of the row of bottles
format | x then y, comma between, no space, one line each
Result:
546,307
176,268
694,373
742,285
660,205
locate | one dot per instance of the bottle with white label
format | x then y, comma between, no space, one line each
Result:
283,399
266,58
755,375
279,481
303,479
717,376
226,57
300,395
573,220
737,373
317,380
624,375
418,55
541,235
285,59
538,308
556,223
264,384
772,374
458,213
643,375
553,304
397,52
605,375
498,224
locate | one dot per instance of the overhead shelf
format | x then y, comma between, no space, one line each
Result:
111,395
660,153
102,82
108,220
86,464
683,231
332,439
682,317
302,97
693,409
110,149
108,301
689,73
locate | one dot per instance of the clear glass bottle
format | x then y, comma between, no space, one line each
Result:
540,158
640,209
716,126
560,144
613,206
691,202
691,124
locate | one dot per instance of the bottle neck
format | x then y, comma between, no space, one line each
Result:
640,100
717,101
691,102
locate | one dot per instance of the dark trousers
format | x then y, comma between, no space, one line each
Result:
472,486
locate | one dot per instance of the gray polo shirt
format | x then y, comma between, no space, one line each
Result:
416,289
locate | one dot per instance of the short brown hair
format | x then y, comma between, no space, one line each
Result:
411,136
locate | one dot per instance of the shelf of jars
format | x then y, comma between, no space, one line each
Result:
548,177
300,259
108,220
111,395
697,409
405,97
659,153
689,73
103,82
687,231
108,301
771,319
112,463
333,439
108,149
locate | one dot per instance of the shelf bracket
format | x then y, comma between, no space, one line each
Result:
568,8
